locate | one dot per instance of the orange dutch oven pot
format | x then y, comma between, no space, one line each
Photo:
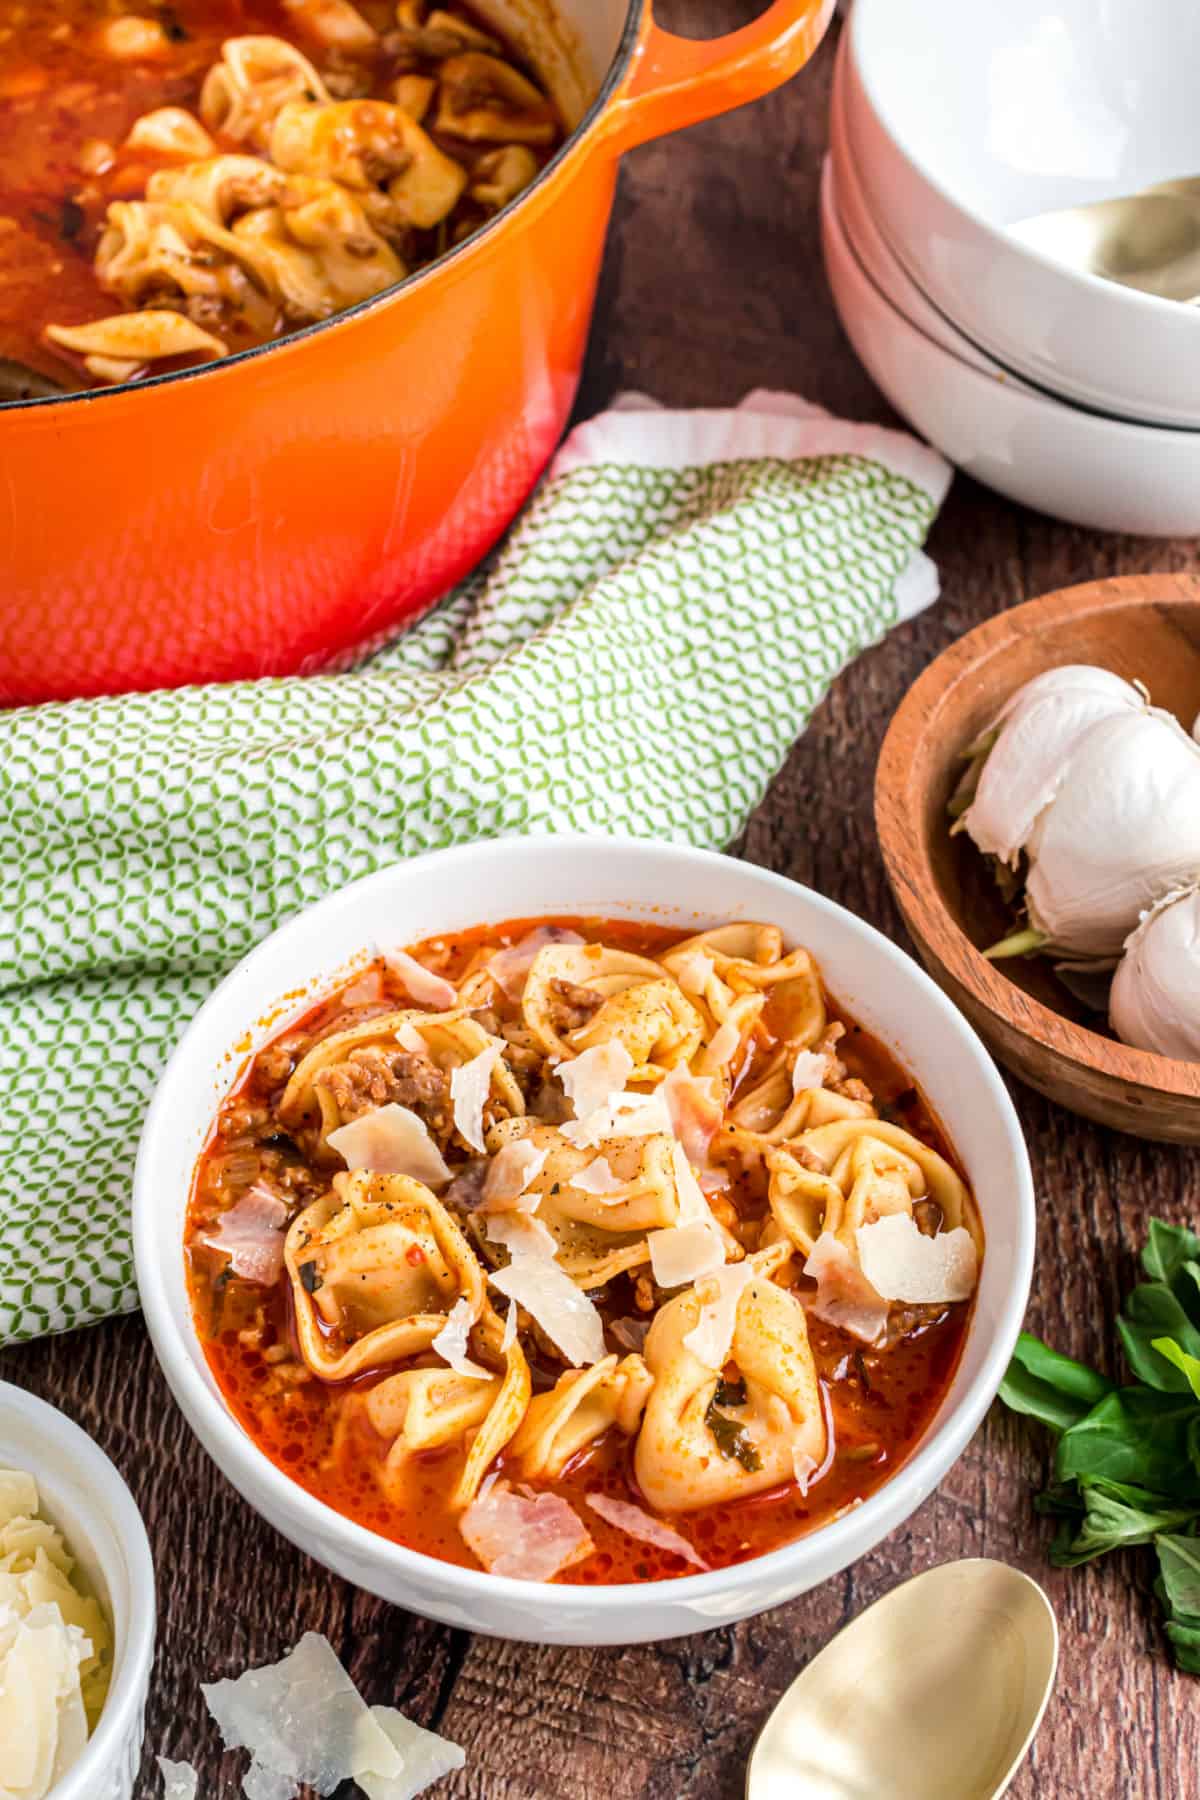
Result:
266,514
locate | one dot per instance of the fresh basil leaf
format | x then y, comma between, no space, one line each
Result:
1179,1564
1050,1387
1152,1312
1116,1516
1135,1435
1168,1248
1185,1641
1179,1358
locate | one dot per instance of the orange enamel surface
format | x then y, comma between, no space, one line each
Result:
267,514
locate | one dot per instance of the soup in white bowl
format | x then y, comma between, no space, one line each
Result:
409,1322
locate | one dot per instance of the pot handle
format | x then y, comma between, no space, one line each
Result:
675,81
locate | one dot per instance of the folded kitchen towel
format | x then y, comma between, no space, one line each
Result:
636,657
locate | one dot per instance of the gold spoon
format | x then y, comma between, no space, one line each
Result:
933,1693
1149,240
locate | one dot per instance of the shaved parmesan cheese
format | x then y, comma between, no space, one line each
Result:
426,988
409,1038
641,1525
901,1263
521,1234
809,1071
251,1235
595,1079
54,1649
510,1328
693,1207
598,1180
694,971
627,1116
695,1108
804,1467
844,1295
426,1757
451,1341
510,967
712,1334
562,1310
180,1780
301,1719
530,1537
391,1140
724,1043
510,1172
366,991
682,1254
470,1087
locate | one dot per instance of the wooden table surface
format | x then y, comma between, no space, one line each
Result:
713,285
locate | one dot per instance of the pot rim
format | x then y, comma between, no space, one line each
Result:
612,79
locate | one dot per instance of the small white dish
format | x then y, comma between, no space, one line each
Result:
82,1493
1079,466
618,878
967,119
877,257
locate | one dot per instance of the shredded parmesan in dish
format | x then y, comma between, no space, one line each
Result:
564,1313
598,1179
844,1295
451,1341
391,1140
711,1336
470,1088
251,1235
596,1079
901,1263
426,988
642,1525
809,1071
531,1537
55,1648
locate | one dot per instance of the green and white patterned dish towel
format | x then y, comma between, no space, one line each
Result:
637,657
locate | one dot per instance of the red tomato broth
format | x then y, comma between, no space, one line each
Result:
880,1403
58,97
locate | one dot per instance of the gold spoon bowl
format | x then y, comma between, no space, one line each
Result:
934,1693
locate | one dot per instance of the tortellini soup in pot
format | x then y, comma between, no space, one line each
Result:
180,179
583,1251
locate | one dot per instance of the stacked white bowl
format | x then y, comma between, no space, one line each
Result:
953,121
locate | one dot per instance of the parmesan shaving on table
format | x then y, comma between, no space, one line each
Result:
303,1720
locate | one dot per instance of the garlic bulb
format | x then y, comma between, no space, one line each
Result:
1100,792
1155,999
1122,830
1026,751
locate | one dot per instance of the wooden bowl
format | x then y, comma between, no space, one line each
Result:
1145,627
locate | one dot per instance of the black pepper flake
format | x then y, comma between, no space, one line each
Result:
310,1277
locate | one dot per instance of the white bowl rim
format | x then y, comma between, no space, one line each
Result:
915,1474
1025,394
1081,279
132,1668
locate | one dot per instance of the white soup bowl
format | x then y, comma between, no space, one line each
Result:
511,878
1079,466
967,118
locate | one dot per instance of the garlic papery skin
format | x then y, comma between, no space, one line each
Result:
1122,831
1036,732
1155,999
